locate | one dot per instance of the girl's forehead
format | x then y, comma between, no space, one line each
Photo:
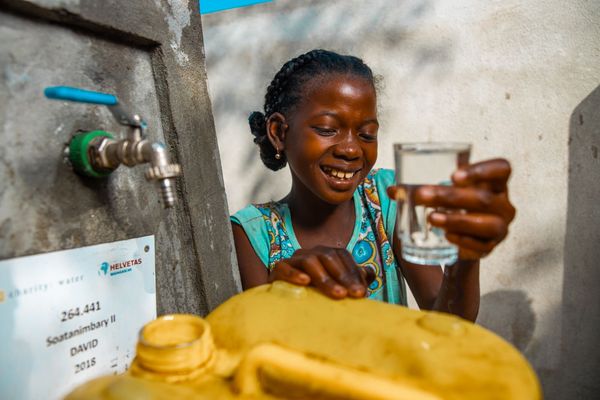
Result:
332,87
329,89
327,82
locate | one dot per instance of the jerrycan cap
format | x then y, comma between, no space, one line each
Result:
176,343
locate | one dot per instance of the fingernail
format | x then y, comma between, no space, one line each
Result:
357,291
400,194
460,175
338,290
438,218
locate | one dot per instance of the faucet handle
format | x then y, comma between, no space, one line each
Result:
80,95
87,96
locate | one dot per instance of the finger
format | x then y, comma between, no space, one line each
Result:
492,174
285,272
320,277
351,277
474,245
481,226
472,199
368,274
347,276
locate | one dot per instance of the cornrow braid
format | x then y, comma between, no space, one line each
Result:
274,95
286,89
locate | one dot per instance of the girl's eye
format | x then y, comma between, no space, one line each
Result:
325,131
369,137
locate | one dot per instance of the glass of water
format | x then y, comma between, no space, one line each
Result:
419,164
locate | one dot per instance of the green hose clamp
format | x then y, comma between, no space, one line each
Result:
79,155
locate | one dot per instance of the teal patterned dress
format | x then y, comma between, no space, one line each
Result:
269,229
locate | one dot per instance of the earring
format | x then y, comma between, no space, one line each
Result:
278,156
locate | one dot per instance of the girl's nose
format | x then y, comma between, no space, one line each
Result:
348,147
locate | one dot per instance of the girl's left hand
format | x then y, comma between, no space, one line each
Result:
479,211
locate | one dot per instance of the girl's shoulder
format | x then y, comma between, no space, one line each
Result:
265,229
253,219
258,212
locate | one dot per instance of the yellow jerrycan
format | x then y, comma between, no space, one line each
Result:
281,341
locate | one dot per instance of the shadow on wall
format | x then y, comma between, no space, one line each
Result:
512,318
580,355
510,314
261,38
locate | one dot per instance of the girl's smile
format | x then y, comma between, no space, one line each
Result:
330,138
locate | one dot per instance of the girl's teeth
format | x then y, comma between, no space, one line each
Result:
338,174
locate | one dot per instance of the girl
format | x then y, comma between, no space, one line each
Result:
335,228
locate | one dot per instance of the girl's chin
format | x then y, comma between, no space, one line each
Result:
336,197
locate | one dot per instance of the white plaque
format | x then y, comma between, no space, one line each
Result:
72,315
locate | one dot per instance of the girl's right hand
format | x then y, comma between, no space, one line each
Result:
331,270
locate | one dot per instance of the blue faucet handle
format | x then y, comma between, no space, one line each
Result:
87,96
80,95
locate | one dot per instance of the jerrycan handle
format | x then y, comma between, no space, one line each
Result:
269,368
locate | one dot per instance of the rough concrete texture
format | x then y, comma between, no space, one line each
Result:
150,55
504,75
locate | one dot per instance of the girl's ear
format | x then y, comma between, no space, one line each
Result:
276,131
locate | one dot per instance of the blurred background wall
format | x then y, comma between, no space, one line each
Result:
518,79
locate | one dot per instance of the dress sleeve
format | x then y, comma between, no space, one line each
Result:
253,223
383,179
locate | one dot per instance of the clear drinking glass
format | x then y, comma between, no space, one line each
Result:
420,164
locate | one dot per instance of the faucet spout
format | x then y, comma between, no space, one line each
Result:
161,170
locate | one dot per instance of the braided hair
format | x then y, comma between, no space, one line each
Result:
286,90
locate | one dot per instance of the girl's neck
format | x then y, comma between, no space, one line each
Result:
310,212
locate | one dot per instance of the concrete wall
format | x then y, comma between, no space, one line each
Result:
150,55
513,77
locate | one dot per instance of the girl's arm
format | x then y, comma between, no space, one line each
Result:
454,290
252,270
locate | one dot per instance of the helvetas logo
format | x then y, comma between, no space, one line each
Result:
104,268
118,267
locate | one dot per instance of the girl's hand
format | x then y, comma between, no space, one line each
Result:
479,211
331,270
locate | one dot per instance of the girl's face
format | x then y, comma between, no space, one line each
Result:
331,138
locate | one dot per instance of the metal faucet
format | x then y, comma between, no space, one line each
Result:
98,153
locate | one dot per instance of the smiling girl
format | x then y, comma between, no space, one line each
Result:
335,228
